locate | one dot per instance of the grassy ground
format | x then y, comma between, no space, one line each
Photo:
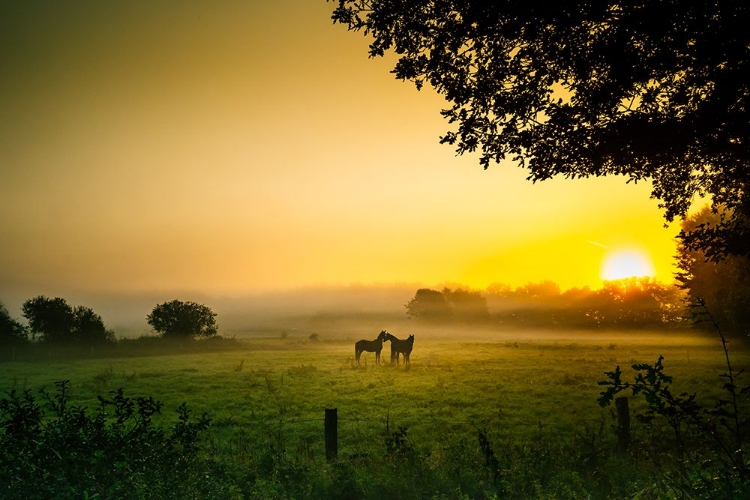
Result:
517,386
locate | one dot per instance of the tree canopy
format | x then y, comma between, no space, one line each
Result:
55,321
183,319
50,320
647,89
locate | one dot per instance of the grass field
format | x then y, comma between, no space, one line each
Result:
529,396
516,385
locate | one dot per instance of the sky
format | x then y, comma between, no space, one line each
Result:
240,146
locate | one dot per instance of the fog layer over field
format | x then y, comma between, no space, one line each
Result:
297,312
333,313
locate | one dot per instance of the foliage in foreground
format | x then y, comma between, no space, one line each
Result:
56,450
59,451
702,449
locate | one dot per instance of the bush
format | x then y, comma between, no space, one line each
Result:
60,451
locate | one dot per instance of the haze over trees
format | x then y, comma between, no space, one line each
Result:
178,319
460,305
627,303
648,90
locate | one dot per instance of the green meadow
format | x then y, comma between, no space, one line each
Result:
517,385
268,395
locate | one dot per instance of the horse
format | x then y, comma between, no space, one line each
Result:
399,346
370,346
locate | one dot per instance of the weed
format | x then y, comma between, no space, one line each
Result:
105,376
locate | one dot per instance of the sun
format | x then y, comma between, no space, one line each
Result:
626,263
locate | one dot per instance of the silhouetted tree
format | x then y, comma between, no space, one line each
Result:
89,328
429,305
646,89
50,320
11,331
723,285
183,319
55,321
467,305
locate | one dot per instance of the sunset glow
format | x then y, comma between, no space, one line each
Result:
626,263
254,146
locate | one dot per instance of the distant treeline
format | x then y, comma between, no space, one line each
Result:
52,321
722,285
628,303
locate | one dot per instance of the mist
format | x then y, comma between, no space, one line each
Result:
362,310
294,312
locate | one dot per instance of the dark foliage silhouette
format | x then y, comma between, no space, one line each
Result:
647,90
183,319
11,331
56,322
50,320
55,450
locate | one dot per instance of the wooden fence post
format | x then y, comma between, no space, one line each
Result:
331,429
623,423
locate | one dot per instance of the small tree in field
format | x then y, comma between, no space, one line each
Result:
183,319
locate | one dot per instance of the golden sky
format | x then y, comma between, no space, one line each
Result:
233,146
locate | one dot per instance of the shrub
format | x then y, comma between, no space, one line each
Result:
61,451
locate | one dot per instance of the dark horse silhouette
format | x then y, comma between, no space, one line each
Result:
399,346
370,346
